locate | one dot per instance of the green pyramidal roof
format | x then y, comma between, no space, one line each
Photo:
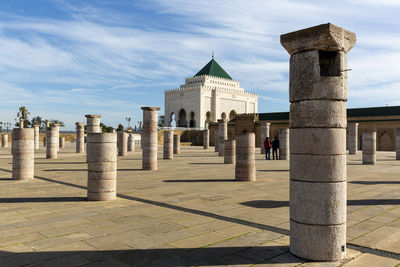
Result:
213,69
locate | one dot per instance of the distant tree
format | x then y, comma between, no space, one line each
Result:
38,120
161,121
22,114
54,122
106,129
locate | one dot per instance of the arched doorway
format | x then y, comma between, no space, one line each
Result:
182,122
172,120
192,123
386,142
208,119
223,116
232,115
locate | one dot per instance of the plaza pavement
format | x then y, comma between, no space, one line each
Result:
188,213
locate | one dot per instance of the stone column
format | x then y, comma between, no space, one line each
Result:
397,143
102,166
131,142
206,139
353,137
168,144
264,133
61,142
222,136
36,136
80,137
177,143
230,152
284,144
21,123
4,140
318,95
47,127
369,147
51,143
149,138
57,129
216,140
122,143
23,153
245,167
93,124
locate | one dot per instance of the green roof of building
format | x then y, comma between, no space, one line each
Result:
351,113
213,69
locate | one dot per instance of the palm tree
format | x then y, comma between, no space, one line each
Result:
22,114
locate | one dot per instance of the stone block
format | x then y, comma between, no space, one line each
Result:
317,113
318,141
318,203
318,168
321,37
318,243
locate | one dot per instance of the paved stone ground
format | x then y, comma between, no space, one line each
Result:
189,212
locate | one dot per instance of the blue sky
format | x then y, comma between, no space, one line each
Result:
63,59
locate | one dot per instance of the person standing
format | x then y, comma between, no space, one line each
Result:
267,146
275,147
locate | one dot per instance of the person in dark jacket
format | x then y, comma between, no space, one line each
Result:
267,146
275,147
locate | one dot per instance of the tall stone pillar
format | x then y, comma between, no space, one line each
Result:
61,142
206,139
318,95
21,123
149,138
245,167
57,129
222,136
93,124
177,143
122,143
4,140
36,136
168,144
216,132
131,142
353,137
397,143
80,137
284,144
23,153
47,127
369,147
230,152
102,166
264,134
51,143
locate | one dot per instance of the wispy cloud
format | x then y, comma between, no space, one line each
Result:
111,58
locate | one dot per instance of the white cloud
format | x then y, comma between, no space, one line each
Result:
107,60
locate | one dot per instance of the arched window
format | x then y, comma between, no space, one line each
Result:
232,115
223,116
182,122
208,119
192,120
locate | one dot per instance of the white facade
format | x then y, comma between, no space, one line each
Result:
203,99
